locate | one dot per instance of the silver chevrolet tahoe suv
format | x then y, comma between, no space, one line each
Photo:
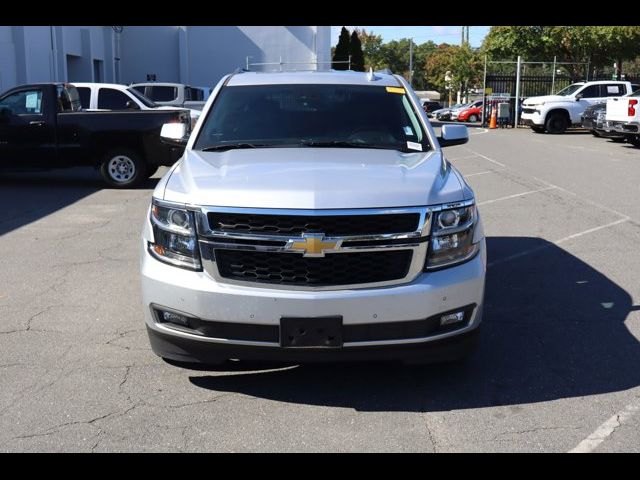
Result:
313,217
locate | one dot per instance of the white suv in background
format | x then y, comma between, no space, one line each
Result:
556,113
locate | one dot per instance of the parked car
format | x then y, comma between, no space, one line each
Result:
593,119
42,126
556,113
430,106
112,96
453,112
623,116
473,113
313,216
173,94
445,113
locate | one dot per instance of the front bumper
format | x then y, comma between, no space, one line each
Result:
199,295
532,119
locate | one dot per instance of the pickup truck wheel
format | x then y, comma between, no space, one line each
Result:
595,133
123,169
635,141
556,123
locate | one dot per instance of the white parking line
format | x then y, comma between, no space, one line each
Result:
480,173
486,202
557,242
487,158
590,443
591,202
461,158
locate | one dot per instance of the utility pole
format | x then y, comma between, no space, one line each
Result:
517,104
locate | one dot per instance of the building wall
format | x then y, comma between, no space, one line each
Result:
31,54
202,55
194,55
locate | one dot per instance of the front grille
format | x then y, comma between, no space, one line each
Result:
296,270
528,110
327,224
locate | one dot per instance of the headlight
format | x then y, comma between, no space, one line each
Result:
452,237
175,237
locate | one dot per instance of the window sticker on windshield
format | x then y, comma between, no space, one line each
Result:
395,90
408,131
612,89
414,146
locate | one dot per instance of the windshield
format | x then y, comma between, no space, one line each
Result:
358,116
142,98
570,89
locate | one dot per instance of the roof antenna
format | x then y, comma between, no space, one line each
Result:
371,76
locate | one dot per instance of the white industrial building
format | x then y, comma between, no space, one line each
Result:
198,56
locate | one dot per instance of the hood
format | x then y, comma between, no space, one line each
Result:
311,178
546,99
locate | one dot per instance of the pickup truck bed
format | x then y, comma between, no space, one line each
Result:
623,116
43,127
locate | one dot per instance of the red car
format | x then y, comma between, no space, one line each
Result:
471,114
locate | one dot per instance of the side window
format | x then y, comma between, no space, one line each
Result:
634,88
26,102
85,97
111,99
615,90
592,91
140,88
163,94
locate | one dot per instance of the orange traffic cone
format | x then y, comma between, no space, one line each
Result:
493,123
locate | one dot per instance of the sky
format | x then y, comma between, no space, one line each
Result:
449,34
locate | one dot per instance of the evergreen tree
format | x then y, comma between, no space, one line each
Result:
341,53
355,50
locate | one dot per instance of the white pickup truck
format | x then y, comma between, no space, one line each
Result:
113,96
556,113
623,115
313,216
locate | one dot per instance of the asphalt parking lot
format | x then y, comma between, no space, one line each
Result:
556,370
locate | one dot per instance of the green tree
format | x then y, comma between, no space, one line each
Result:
598,45
341,53
372,50
355,50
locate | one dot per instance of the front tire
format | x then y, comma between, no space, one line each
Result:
556,123
473,118
595,133
123,168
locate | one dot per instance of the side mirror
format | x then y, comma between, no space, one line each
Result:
131,105
578,97
453,135
174,134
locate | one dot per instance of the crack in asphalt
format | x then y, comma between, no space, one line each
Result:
432,437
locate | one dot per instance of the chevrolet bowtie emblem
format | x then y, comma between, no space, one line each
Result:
313,244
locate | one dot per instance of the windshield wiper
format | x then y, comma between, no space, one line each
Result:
232,146
347,144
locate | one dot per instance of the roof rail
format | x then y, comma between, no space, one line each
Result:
281,63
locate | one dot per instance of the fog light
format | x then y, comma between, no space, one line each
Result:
175,318
451,318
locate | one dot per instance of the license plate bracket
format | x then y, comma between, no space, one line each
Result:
316,332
